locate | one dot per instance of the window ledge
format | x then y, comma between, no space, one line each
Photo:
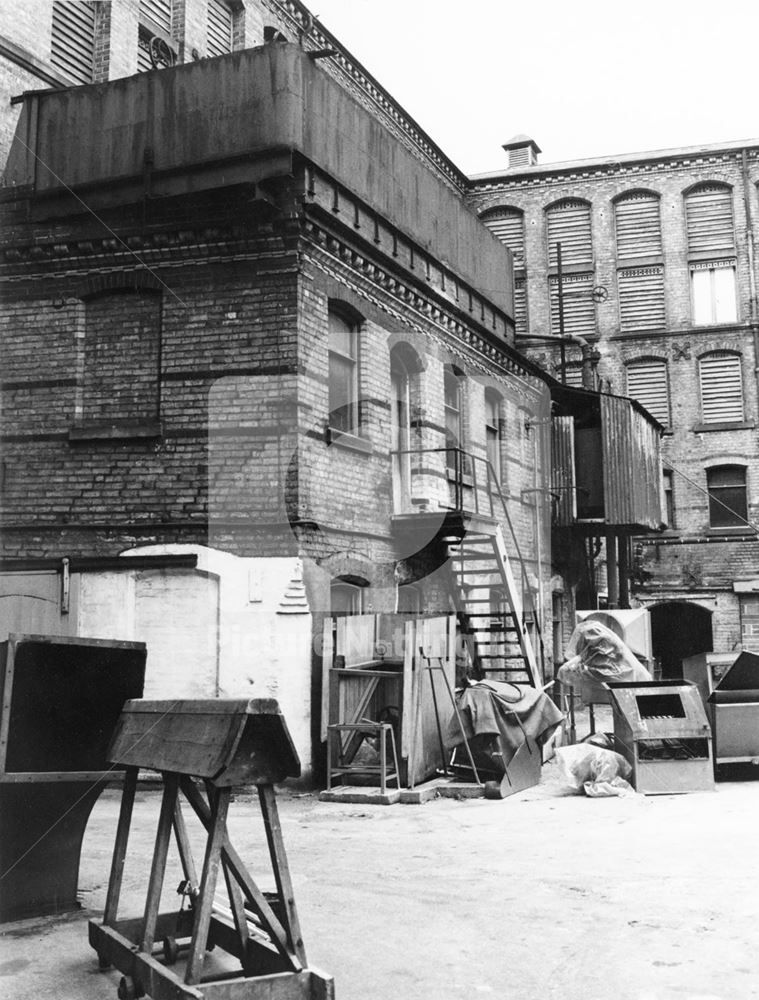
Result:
729,529
728,425
352,442
134,429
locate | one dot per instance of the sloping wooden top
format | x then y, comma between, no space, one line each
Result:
227,741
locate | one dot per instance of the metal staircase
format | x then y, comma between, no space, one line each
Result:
497,634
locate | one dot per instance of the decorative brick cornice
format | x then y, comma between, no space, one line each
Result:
546,177
419,312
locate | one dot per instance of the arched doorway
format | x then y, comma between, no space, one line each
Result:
678,630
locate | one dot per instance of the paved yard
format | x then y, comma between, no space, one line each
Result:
538,896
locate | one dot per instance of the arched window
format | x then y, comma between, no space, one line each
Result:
344,413
728,504
493,430
721,383
454,418
647,382
711,252
640,286
568,225
347,595
507,225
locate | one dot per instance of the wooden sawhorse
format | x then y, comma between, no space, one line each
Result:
203,749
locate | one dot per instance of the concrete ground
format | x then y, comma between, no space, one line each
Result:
542,895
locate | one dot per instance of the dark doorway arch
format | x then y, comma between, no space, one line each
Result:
679,629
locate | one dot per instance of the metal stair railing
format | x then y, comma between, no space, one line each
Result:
460,466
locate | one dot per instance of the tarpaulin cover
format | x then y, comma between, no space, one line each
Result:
509,711
598,655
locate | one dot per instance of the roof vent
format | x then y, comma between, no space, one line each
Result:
522,151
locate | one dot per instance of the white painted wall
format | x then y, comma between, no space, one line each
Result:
232,628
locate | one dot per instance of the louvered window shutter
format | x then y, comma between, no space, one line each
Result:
73,39
159,12
721,388
638,226
647,382
641,298
569,224
572,375
508,227
579,307
219,28
709,215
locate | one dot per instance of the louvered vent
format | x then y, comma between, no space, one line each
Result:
721,388
569,224
159,12
709,215
638,226
641,298
579,307
73,39
219,28
647,382
508,227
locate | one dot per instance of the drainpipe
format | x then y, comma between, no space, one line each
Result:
752,304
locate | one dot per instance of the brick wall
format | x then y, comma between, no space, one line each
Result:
672,571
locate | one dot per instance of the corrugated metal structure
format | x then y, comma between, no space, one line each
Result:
606,463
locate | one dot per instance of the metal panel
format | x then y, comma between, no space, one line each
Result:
709,215
569,224
73,37
563,470
638,225
631,465
641,298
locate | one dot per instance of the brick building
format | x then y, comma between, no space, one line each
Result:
261,363
659,278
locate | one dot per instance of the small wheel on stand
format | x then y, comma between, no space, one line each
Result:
170,950
129,989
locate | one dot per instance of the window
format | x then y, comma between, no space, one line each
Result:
638,226
454,429
73,39
711,249
647,383
493,431
749,624
154,48
721,382
219,28
347,596
569,224
641,298
572,374
669,497
507,225
343,373
713,292
121,357
728,506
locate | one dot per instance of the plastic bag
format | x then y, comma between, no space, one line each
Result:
596,652
594,770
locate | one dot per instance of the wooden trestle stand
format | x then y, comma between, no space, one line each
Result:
203,749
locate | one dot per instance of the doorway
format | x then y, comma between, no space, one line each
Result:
679,630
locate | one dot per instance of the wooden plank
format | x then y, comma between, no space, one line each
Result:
159,982
204,903
280,986
328,655
258,902
158,868
268,800
183,846
120,847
